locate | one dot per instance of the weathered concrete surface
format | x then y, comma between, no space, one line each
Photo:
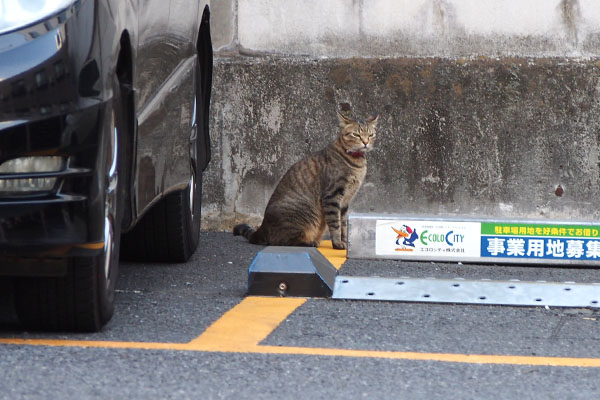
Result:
399,28
223,27
509,137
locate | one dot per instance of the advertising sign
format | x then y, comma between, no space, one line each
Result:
513,240
505,241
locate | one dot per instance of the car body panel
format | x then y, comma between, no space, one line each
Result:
165,98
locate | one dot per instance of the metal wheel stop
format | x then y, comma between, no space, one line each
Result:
291,271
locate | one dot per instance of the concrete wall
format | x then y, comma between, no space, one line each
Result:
402,28
488,107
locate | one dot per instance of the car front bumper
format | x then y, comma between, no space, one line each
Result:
53,103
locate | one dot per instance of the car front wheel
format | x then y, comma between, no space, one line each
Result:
83,299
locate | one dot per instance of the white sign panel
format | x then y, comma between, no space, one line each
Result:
435,239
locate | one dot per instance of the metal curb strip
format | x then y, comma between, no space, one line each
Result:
461,291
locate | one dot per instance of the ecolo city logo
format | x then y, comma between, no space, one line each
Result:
450,238
408,236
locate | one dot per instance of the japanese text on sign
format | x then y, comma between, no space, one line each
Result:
558,248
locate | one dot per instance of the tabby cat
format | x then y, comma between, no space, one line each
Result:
316,191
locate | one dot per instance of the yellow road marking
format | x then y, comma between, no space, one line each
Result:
92,246
95,343
245,326
439,357
335,257
241,329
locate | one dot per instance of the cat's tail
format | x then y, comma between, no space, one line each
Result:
254,236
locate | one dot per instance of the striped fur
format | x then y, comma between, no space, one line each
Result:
316,192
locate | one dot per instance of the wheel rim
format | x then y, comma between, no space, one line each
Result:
112,175
192,193
193,159
110,199
108,248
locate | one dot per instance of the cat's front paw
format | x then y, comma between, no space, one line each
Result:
339,245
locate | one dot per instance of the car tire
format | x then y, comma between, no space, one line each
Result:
77,302
83,299
170,231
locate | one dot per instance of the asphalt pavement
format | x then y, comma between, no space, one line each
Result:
401,350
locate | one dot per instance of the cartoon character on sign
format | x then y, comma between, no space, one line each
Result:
407,234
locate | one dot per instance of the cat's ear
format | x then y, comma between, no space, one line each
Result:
344,121
372,120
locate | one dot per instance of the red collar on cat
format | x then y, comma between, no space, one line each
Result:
356,154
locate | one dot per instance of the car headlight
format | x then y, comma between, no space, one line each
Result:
15,14
27,166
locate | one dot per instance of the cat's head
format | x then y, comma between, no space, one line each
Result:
356,136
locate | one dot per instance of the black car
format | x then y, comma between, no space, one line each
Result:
104,109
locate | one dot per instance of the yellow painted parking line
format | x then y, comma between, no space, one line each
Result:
241,329
245,326
335,257
439,357
95,343
92,246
